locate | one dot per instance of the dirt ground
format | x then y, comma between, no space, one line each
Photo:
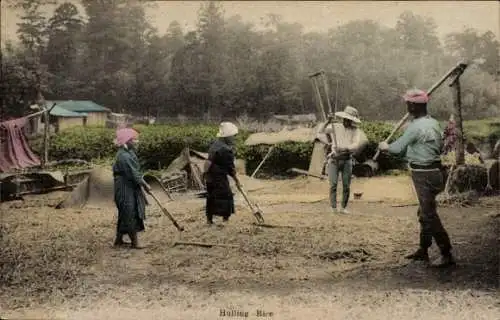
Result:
312,265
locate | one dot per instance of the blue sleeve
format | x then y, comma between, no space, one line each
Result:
409,136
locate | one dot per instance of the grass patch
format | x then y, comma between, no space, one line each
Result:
484,130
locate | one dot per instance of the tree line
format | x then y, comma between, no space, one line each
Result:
228,67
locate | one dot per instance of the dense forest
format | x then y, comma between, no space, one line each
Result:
111,54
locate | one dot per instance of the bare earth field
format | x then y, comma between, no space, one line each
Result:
313,265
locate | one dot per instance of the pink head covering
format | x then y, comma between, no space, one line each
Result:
124,136
416,96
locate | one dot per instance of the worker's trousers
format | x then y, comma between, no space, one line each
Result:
336,168
428,184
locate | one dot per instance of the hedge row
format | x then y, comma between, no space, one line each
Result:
160,144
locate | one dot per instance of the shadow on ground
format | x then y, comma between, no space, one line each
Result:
476,246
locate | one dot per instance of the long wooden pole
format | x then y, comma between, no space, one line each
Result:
35,114
322,176
331,138
262,162
318,98
204,244
457,112
327,92
457,70
45,130
336,95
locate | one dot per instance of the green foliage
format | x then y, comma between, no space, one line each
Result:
377,132
484,130
284,156
161,144
298,155
86,143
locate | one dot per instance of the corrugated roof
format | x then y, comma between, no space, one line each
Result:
57,111
79,105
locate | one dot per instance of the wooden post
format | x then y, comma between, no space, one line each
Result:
457,112
319,101
447,185
46,117
327,92
336,95
46,138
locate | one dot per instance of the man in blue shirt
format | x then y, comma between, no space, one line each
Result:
422,144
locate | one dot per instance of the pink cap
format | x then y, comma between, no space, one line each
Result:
416,96
124,135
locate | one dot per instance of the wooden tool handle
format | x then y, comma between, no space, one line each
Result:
160,183
327,93
165,211
458,69
396,128
144,192
243,193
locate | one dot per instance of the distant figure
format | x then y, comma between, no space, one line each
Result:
130,199
350,140
218,167
422,143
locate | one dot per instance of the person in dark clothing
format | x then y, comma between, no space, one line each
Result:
130,199
422,142
218,167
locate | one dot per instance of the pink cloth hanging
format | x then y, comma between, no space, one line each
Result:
15,152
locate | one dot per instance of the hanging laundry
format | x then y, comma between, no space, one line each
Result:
15,152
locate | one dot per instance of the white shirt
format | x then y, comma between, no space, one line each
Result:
352,138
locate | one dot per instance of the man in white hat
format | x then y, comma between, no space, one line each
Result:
218,167
347,139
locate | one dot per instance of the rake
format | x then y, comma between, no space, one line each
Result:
254,207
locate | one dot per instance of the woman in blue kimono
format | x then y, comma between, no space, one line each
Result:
130,199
